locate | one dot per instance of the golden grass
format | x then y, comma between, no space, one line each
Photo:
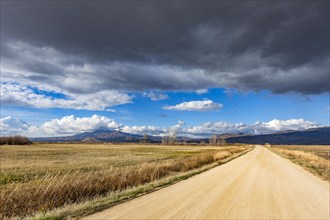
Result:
314,158
43,177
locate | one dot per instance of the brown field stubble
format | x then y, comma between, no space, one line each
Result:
44,188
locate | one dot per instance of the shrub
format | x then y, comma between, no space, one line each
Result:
14,140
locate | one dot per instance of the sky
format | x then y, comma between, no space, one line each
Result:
196,68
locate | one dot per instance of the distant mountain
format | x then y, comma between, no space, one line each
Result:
98,135
310,136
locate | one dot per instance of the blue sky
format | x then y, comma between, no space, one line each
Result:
245,107
237,107
160,67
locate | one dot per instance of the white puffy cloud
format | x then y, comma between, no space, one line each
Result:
151,130
272,126
67,125
282,125
204,105
10,125
16,94
154,130
155,96
70,125
209,128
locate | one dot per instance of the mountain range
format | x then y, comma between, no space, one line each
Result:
98,135
310,136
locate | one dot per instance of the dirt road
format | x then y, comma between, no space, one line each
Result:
258,185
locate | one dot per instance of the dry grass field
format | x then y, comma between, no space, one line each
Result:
41,177
315,159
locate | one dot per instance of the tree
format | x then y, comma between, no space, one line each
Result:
145,139
213,140
172,138
165,140
221,141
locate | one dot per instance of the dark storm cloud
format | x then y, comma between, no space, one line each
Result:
280,46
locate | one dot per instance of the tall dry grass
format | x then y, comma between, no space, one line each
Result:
310,160
52,191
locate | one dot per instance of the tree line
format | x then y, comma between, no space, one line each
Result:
14,140
170,139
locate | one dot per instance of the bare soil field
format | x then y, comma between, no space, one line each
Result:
257,185
39,178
